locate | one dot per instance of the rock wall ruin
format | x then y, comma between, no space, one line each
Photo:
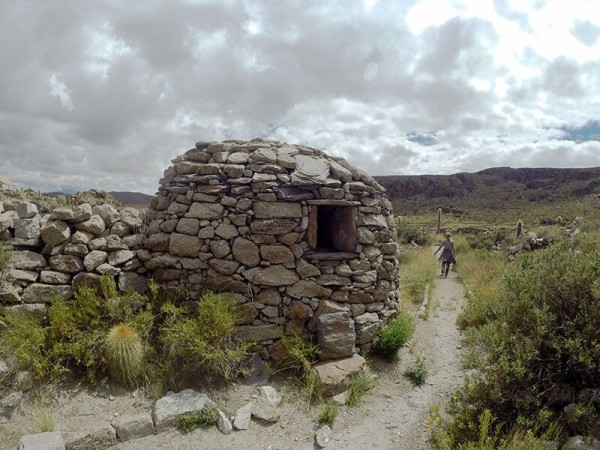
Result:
303,240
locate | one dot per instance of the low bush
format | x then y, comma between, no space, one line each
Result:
408,233
188,422
301,356
394,335
329,413
357,388
538,337
417,373
201,340
73,339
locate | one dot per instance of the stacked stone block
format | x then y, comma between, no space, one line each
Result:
52,254
241,217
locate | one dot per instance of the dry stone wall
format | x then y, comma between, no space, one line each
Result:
55,252
305,241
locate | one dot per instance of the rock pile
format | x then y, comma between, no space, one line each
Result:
54,253
301,238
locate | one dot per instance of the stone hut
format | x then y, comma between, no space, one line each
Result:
304,240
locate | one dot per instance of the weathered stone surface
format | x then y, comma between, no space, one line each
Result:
157,242
27,260
271,276
306,269
224,267
269,296
63,214
66,263
246,252
307,288
581,443
265,412
51,277
133,426
335,375
224,424
9,294
44,293
94,259
274,210
27,228
94,225
26,210
168,409
131,217
83,212
132,282
107,269
188,226
259,333
51,440
336,335
323,436
273,226
269,395
243,416
107,212
276,254
184,245
98,437
219,248
25,275
299,310
309,170
160,262
82,279
80,250
120,257
227,231
208,211
6,220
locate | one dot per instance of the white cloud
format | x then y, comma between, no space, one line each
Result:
104,94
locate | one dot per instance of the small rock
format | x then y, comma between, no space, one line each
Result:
265,412
224,424
323,436
270,395
242,417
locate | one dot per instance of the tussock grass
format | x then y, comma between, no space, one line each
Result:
417,269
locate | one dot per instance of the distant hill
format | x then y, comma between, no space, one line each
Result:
505,191
131,198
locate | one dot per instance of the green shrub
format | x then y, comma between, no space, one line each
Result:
394,335
329,413
357,388
124,354
202,340
417,373
542,334
188,422
408,233
73,339
24,338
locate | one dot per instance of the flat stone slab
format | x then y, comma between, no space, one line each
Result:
100,437
167,410
133,426
42,441
335,375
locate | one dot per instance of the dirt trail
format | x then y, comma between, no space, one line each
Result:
394,414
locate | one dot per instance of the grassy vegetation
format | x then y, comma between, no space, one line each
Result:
532,332
209,415
357,388
418,269
101,332
394,335
417,373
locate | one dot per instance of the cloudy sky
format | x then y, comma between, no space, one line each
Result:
104,93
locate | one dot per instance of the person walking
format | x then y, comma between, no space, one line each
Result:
448,256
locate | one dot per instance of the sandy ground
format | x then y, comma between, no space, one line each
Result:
394,415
